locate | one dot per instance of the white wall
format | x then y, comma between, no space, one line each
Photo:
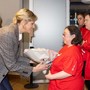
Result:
52,19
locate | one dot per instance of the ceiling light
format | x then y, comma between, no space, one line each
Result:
86,1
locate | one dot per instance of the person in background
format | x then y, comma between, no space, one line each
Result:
81,24
0,22
66,69
81,19
10,59
86,49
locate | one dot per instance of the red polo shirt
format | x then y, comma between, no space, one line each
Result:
70,61
86,49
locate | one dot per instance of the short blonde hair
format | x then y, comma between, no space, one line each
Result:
24,14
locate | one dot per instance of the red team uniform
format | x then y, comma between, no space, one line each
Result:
72,63
86,51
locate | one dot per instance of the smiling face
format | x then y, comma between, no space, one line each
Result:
87,22
29,27
26,26
67,37
25,19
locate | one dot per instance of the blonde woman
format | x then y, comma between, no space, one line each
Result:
10,60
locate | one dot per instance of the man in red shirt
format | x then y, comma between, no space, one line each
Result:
86,49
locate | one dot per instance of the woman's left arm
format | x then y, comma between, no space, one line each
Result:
59,75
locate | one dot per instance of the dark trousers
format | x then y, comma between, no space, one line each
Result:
87,83
5,85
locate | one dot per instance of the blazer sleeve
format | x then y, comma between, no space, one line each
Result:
9,50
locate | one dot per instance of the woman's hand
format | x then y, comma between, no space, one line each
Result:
40,67
84,42
49,76
58,75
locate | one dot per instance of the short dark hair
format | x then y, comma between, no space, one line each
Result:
81,13
75,30
87,13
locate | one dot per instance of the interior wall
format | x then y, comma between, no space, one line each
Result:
8,8
25,35
25,3
52,19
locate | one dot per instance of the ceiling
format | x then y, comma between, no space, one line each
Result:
77,5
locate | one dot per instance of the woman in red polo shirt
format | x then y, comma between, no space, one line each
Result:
66,70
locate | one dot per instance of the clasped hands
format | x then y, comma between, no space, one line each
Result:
40,67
